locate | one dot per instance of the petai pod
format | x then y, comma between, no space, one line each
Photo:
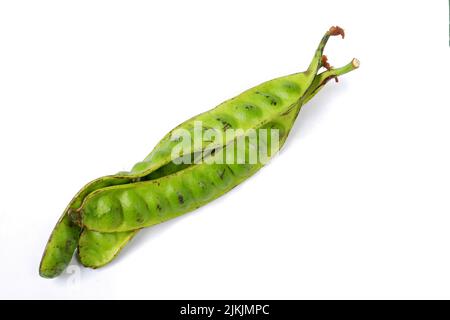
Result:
108,212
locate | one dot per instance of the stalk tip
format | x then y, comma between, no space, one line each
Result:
355,63
336,30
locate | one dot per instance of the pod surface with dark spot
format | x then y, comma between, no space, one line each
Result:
108,212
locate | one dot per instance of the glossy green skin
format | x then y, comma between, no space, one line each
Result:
276,102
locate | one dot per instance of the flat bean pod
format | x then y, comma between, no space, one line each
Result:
107,213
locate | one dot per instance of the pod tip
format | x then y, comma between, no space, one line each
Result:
355,63
336,30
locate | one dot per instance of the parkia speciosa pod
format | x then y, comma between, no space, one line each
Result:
106,213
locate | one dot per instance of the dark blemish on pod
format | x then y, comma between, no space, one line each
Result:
246,106
247,110
156,181
180,198
231,170
226,125
158,207
272,99
139,219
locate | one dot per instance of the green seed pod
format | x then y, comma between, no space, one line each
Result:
109,214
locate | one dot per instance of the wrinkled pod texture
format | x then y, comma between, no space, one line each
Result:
106,214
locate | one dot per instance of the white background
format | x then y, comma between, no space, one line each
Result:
355,206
